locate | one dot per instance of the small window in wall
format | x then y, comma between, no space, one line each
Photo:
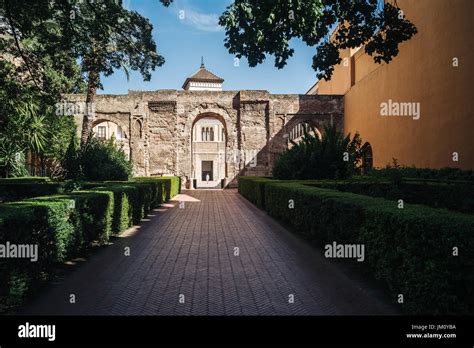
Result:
101,132
211,133
367,157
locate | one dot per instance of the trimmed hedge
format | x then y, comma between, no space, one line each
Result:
63,225
25,179
446,173
60,226
126,206
172,184
15,190
140,197
410,249
452,196
253,188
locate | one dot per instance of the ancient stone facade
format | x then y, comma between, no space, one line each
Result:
159,129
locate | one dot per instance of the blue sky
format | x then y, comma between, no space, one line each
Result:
182,42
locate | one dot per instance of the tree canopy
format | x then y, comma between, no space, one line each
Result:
100,36
255,28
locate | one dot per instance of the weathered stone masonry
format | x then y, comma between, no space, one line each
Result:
159,126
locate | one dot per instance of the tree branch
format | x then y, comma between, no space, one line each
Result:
17,43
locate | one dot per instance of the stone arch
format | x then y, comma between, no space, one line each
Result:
209,110
215,154
138,127
211,115
294,126
296,120
122,119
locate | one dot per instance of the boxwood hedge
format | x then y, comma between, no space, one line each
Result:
410,249
172,184
63,225
452,196
15,190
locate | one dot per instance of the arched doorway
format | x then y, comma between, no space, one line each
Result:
208,151
106,129
367,158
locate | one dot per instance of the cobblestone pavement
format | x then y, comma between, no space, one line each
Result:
184,261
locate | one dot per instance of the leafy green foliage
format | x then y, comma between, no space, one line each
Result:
409,249
104,160
100,36
331,157
29,125
71,163
256,28
98,160
12,162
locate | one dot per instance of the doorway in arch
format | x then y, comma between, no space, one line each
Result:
208,149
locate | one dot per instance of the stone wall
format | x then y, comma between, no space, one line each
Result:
159,126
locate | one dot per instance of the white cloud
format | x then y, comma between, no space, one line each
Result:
202,21
199,20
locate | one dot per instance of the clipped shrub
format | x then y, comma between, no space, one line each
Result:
172,184
253,188
410,249
452,196
125,200
25,179
63,225
19,189
42,223
441,174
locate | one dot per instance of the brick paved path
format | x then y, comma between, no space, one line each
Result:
190,252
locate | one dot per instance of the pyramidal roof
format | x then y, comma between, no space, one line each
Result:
203,75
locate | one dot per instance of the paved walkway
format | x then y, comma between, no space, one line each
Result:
188,255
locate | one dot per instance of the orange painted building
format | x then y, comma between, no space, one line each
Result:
419,108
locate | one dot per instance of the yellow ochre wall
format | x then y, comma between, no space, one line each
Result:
422,72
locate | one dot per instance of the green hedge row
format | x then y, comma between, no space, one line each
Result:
63,225
253,188
410,249
60,226
17,190
172,184
14,189
30,179
446,173
452,196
